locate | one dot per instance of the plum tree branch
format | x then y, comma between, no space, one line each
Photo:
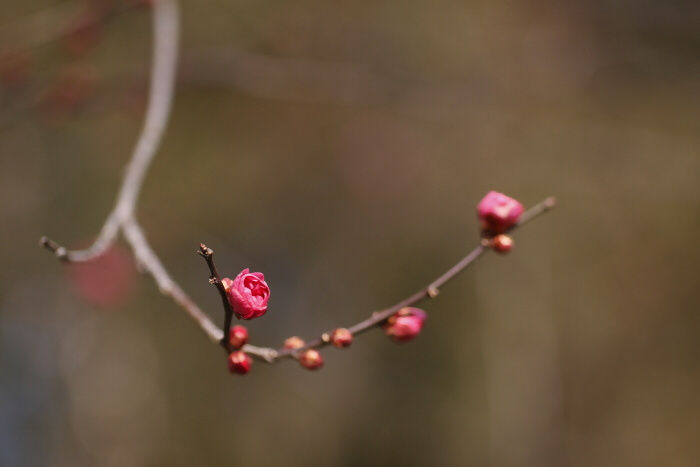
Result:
215,280
431,291
377,318
122,218
150,263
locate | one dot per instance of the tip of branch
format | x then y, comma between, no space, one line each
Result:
204,250
58,251
550,202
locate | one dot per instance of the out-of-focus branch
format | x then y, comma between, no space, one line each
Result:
162,83
122,217
150,263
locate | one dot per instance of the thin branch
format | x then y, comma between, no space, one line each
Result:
271,355
162,84
122,217
264,353
431,291
215,280
150,262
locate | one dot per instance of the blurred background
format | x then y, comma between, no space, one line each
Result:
341,148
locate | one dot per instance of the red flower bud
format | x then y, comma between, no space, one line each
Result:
341,337
248,294
294,342
501,243
311,359
405,324
238,336
239,362
498,212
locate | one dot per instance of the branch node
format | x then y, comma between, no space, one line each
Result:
433,292
204,251
325,337
58,251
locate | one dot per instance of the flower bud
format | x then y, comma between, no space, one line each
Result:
247,294
341,337
501,243
239,362
311,359
405,324
498,213
294,342
238,336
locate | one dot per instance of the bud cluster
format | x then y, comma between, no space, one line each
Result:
238,361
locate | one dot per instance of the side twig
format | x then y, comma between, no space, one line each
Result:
215,280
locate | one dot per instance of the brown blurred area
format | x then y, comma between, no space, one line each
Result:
341,148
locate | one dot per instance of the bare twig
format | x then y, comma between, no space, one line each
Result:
121,218
150,262
165,39
215,280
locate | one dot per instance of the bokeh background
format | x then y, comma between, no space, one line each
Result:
340,148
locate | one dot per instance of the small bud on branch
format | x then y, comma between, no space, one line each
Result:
238,337
239,362
403,321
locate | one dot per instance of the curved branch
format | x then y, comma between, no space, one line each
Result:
162,84
122,217
150,263
377,318
431,291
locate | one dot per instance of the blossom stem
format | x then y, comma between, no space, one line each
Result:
215,280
